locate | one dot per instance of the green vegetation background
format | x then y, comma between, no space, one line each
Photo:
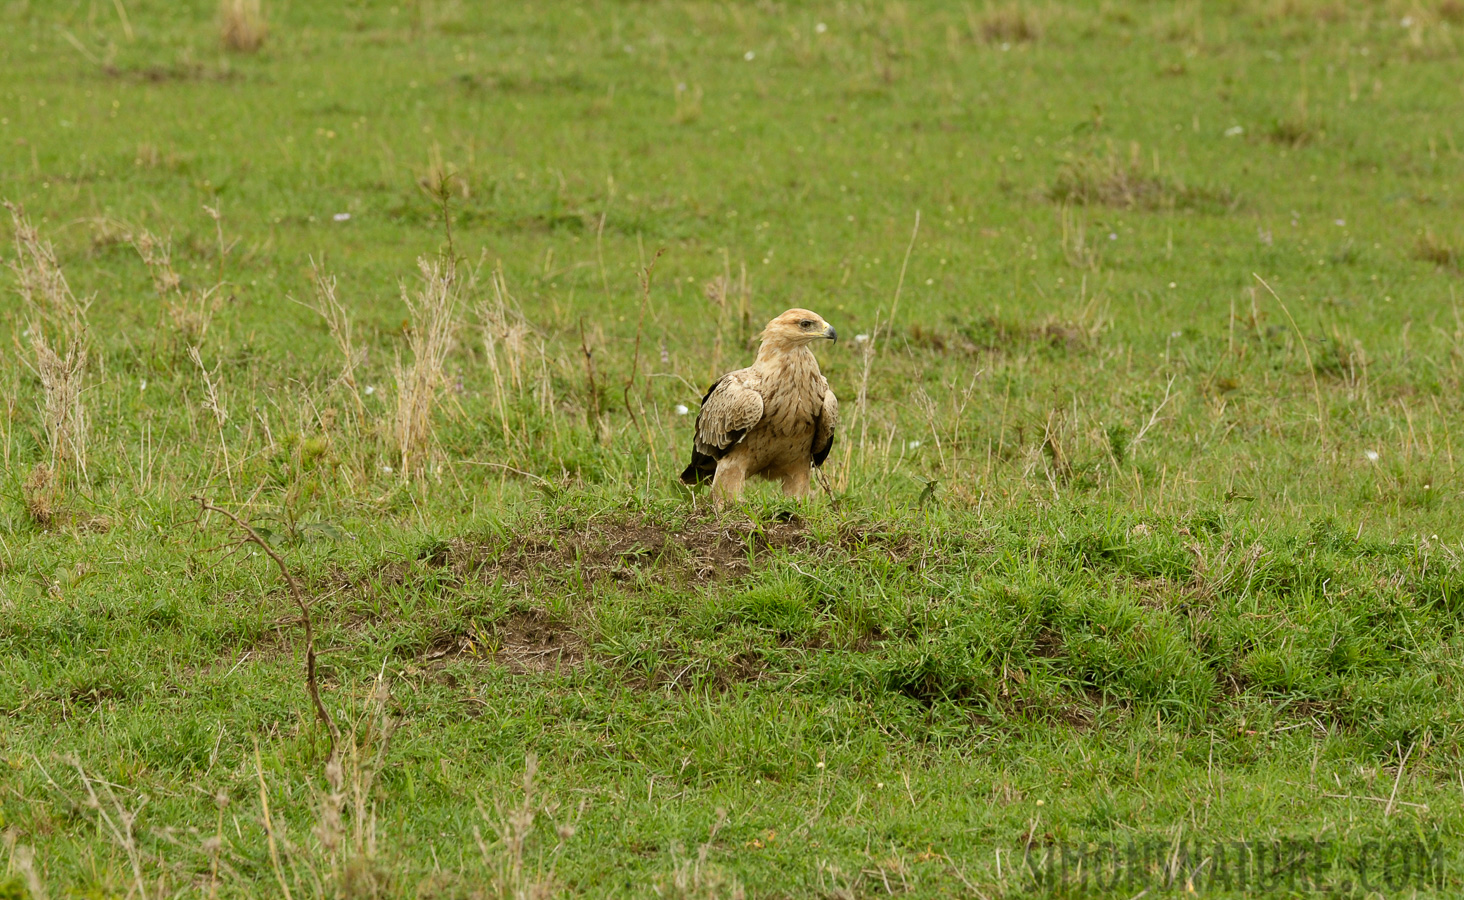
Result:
1147,524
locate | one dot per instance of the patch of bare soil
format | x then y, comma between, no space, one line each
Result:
527,642
699,552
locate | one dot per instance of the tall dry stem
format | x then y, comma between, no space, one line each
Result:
338,320
871,347
57,329
433,312
505,331
513,878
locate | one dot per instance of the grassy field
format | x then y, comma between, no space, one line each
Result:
1143,525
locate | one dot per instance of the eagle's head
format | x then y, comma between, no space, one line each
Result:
798,327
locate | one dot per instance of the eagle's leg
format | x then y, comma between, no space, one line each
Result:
727,484
796,481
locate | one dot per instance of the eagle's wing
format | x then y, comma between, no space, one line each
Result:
730,409
825,421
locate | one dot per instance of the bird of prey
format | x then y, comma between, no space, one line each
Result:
774,419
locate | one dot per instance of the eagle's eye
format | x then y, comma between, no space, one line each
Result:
806,323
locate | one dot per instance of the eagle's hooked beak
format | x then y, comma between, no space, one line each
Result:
830,333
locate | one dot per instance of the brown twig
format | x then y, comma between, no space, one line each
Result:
311,685
593,410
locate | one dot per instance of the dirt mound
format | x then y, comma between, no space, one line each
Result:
698,552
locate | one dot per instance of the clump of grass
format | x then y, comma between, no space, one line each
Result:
1452,11
1433,249
242,27
1104,179
191,310
1296,130
57,328
433,310
688,103
1009,24
40,495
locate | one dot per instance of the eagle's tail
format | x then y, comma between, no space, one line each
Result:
701,470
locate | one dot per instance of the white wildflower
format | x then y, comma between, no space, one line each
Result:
820,28
681,409
749,56
861,338
1372,455
342,217
370,389
1234,131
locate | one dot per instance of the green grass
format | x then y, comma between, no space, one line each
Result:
1148,529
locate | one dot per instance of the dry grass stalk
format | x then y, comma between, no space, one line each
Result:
41,497
716,291
56,326
23,858
346,818
512,877
433,312
191,310
338,320
117,824
869,349
214,405
698,878
1079,252
242,28
505,330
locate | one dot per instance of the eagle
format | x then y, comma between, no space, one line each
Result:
774,419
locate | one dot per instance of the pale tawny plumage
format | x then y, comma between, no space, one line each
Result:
775,419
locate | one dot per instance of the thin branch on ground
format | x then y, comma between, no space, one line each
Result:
251,536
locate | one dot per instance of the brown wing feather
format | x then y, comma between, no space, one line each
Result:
729,410
825,422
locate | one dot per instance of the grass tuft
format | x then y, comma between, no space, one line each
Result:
39,491
1431,248
57,328
242,27
1012,23
434,319
1104,179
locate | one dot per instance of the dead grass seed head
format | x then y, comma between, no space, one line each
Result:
56,326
